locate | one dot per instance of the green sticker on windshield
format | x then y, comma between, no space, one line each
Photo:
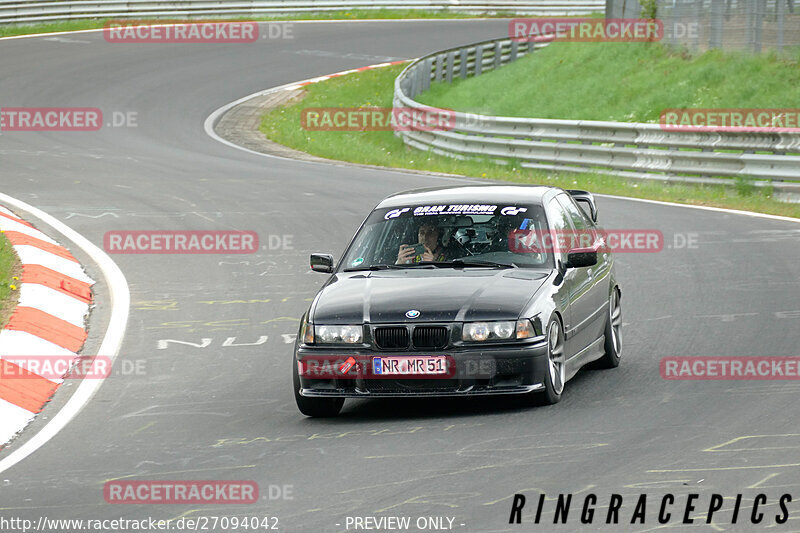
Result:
358,261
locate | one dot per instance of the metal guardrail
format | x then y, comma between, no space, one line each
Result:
630,149
19,12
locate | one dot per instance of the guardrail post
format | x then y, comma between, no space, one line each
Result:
415,82
439,67
498,55
426,74
514,47
759,6
749,21
478,60
464,60
531,47
451,57
717,22
698,17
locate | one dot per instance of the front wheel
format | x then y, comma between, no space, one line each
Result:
556,365
613,333
314,407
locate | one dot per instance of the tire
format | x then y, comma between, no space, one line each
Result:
556,365
613,333
314,407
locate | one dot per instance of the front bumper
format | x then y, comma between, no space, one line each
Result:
474,371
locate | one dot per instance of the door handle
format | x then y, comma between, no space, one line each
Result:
589,273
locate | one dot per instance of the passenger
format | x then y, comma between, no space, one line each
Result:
429,234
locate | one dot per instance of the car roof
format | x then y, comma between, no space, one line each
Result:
494,194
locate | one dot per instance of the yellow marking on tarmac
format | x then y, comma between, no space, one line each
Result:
230,302
172,305
230,322
739,439
146,426
49,507
208,510
538,491
281,319
755,486
697,523
192,471
196,325
431,499
722,468
778,525
156,305
177,324
520,491
433,476
184,514
338,435
646,484
467,452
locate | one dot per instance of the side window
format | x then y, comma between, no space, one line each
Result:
579,220
585,234
393,233
559,227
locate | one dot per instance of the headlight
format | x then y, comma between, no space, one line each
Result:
476,331
483,331
338,334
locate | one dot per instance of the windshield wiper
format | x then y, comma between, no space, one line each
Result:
456,263
386,267
479,263
371,267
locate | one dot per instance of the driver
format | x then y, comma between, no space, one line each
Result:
429,234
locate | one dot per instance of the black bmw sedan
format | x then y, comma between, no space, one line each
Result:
458,291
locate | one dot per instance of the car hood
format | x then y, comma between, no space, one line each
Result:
438,295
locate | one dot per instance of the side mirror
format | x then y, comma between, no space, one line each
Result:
322,263
581,257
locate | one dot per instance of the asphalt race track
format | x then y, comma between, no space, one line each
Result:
226,411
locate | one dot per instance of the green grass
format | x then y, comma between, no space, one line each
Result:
353,14
9,269
627,82
374,88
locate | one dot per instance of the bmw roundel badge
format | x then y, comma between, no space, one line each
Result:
413,313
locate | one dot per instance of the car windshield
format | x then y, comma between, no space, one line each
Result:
450,236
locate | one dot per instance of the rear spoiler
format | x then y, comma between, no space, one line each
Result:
585,197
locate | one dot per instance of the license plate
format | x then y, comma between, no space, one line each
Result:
399,366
